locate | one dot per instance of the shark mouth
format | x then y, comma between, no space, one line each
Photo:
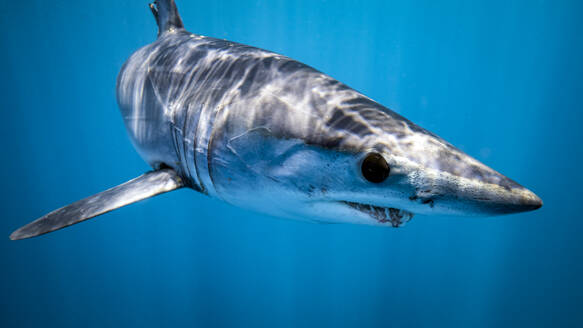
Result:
396,217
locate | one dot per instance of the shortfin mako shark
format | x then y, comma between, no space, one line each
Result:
265,132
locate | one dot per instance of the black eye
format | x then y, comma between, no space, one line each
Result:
375,168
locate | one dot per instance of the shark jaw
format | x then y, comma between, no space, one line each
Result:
396,217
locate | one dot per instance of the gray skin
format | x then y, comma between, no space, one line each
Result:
265,132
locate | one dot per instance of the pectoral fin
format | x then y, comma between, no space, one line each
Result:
145,186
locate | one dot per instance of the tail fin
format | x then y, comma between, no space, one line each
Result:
145,186
166,15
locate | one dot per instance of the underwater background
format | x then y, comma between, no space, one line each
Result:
502,80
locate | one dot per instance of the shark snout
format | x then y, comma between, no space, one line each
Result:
529,201
462,196
515,200
487,192
453,182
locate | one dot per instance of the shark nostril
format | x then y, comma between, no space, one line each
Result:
429,202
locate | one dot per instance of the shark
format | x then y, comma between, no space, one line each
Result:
267,133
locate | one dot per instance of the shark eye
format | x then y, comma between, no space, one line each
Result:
374,168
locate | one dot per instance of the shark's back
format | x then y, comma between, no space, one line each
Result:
179,91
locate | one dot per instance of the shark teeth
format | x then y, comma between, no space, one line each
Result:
395,216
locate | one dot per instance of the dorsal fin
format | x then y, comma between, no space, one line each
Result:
166,15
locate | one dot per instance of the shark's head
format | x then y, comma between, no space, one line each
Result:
355,161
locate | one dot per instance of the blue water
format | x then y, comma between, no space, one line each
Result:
501,80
